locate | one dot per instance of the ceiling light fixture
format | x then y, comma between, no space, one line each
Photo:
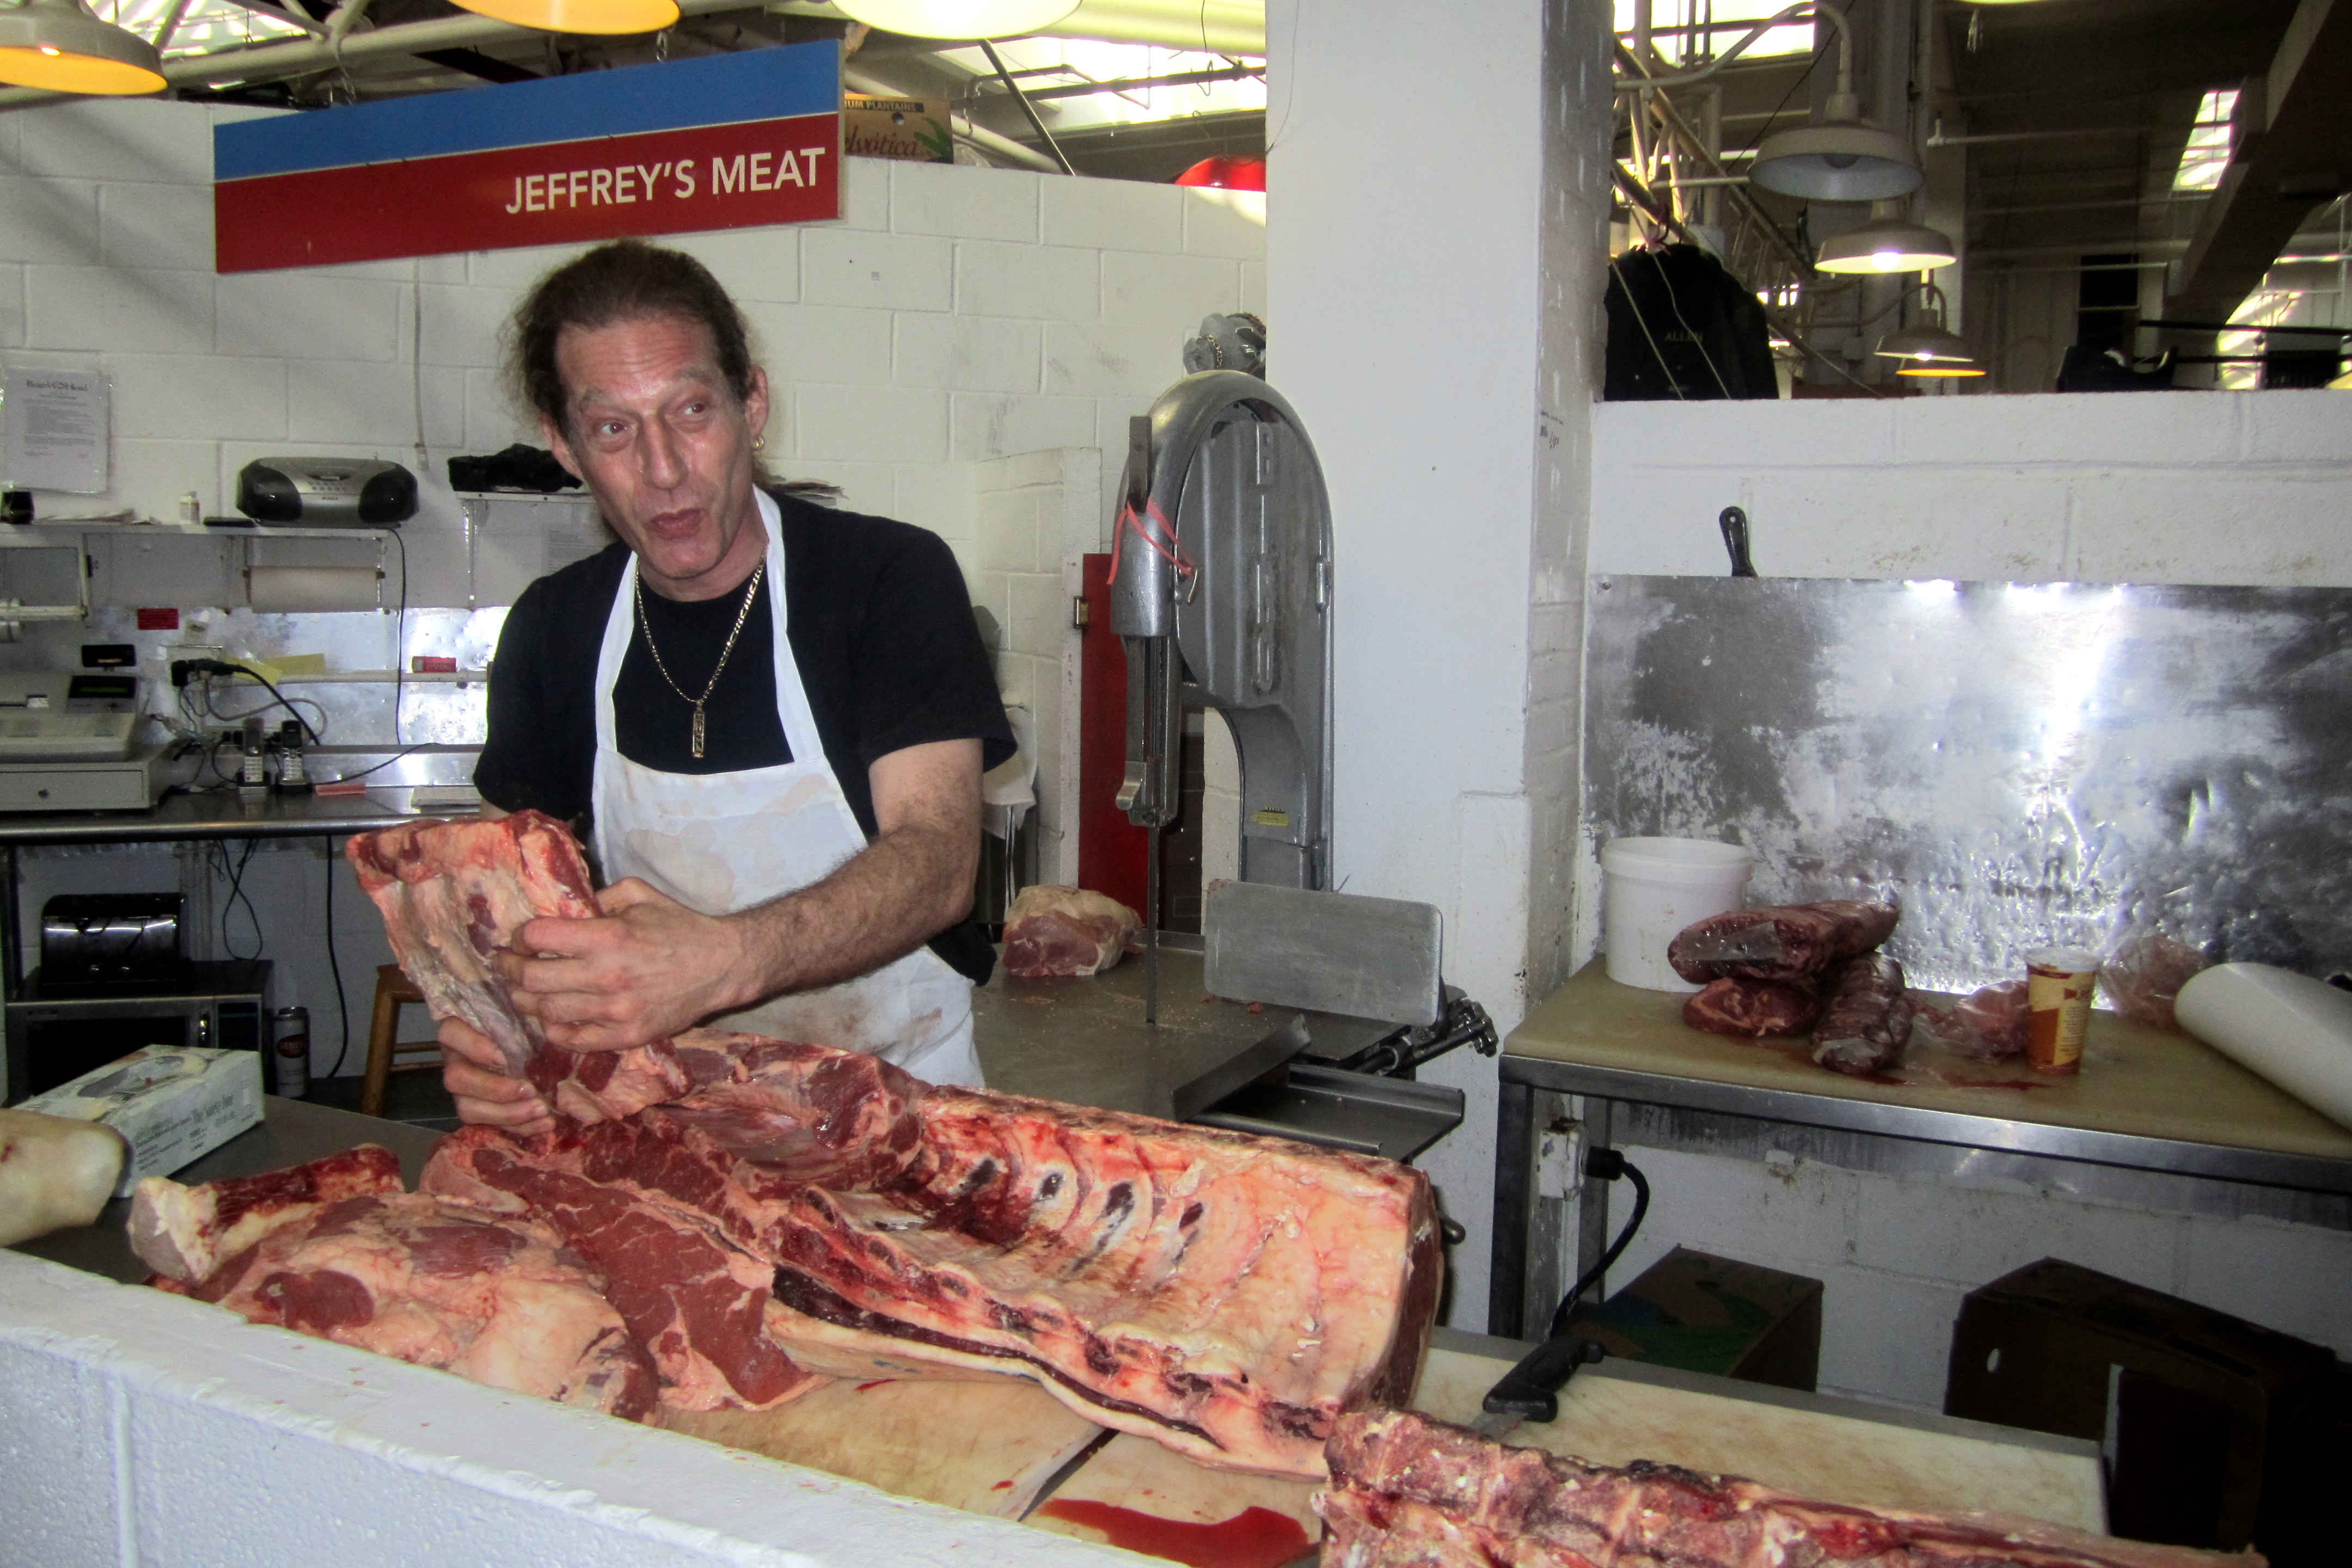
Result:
1838,158
1887,242
1926,349
57,46
609,18
957,18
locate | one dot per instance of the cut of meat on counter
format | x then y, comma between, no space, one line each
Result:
440,1285
1066,933
1226,1295
1750,1009
1865,1016
1989,1025
1780,941
1407,1491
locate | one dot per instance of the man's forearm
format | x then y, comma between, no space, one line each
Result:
878,906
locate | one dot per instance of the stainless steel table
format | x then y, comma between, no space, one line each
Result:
2153,1116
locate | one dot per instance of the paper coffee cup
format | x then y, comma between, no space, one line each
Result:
2059,982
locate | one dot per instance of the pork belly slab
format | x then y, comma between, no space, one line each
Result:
1226,1295
1407,1491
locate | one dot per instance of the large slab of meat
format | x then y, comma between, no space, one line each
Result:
1068,932
492,1299
1407,1491
1750,1009
1780,941
1867,1016
1228,1296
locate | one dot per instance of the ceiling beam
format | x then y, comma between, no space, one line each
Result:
2296,156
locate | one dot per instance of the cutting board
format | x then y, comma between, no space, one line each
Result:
1135,1494
1815,1453
985,1447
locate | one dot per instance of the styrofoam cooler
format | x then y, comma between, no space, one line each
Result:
1651,889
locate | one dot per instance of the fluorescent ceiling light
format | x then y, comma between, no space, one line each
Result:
1886,245
57,46
958,19
609,17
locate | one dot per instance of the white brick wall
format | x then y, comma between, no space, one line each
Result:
908,342
2249,488
122,1443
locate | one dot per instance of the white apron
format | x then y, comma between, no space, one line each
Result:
722,842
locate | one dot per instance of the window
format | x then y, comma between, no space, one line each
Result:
2207,153
1697,30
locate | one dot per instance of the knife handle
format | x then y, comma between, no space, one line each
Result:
1532,1389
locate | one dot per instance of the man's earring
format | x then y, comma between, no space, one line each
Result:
759,443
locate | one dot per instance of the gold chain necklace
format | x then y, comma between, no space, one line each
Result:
751,592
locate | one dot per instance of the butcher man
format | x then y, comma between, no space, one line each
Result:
772,715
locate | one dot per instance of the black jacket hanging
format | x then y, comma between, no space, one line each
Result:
1682,327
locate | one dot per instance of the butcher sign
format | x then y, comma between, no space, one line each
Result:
724,141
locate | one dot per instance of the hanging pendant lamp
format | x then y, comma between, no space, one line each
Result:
609,18
957,18
1839,157
1928,350
1887,244
57,46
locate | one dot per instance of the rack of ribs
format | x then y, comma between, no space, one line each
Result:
1407,1491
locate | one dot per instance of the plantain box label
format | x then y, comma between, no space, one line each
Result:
172,1104
912,129
1703,1313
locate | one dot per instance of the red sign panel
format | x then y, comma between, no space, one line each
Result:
664,182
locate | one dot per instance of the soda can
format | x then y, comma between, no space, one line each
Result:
290,1051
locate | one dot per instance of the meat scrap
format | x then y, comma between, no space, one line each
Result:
440,1285
186,1233
1779,942
1989,1024
1068,932
1752,1008
1226,1295
1865,1016
1407,1491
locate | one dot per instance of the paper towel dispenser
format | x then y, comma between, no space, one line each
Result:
327,492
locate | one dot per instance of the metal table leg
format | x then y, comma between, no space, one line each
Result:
1514,1207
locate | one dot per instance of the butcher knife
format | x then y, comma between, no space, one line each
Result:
1531,1391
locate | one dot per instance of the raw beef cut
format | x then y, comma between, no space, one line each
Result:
1065,931
1780,941
1226,1295
1989,1024
1751,1008
1407,1491
186,1233
441,1284
1865,1016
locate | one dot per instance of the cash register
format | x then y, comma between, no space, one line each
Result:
69,742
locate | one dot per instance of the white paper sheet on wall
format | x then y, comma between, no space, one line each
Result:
58,425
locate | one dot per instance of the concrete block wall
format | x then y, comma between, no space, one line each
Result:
121,1442
2231,488
1036,515
954,316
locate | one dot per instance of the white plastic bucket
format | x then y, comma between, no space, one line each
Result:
1651,889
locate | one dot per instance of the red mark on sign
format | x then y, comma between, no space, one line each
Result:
159,620
1254,1538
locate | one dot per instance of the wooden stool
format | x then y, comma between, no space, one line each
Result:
393,991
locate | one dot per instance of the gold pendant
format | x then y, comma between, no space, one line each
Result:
697,730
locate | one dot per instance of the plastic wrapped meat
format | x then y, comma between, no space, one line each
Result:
1780,941
1986,1026
1865,1017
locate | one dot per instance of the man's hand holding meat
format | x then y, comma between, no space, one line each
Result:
773,715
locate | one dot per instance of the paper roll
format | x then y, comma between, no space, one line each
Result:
2291,1029
291,589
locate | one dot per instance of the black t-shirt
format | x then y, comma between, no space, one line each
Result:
881,630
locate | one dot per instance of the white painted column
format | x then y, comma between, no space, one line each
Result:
1435,250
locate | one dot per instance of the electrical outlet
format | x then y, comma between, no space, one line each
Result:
179,654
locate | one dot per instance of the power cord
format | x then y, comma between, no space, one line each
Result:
1605,1165
235,871
343,1006
182,669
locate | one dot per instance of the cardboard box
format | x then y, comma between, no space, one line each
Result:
2216,1430
171,1103
912,129
1709,1314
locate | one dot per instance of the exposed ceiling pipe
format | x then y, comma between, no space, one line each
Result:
269,62
1212,26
